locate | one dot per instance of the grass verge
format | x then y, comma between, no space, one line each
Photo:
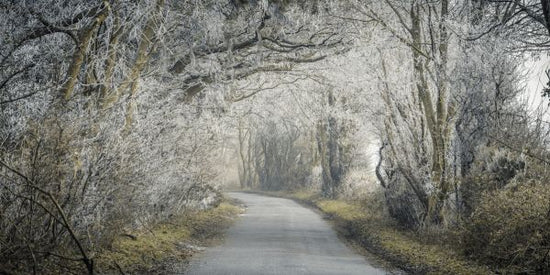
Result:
150,251
409,251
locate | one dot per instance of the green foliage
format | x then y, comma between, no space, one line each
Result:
511,227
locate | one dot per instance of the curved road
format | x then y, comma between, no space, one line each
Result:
279,236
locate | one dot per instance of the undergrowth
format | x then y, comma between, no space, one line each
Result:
149,249
364,224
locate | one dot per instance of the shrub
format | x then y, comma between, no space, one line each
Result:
511,228
493,169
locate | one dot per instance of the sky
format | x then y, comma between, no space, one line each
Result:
536,80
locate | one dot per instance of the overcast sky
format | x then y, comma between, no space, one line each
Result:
536,81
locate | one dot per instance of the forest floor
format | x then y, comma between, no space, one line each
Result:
416,253
159,249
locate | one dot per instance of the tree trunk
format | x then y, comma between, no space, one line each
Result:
80,52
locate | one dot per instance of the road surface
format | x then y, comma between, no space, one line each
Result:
279,236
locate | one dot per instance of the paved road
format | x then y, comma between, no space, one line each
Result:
279,236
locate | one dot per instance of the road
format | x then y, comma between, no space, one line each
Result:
279,236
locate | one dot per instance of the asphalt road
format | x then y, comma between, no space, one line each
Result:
279,236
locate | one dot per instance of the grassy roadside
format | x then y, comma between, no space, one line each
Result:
151,251
406,250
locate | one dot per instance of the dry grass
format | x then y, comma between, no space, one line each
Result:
361,224
168,241
433,258
341,209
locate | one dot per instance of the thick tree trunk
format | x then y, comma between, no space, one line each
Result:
80,52
546,12
436,118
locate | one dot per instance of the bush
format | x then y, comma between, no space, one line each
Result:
511,228
494,169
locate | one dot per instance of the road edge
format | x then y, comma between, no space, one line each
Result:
394,249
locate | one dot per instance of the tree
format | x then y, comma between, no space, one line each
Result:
113,109
334,148
526,21
422,27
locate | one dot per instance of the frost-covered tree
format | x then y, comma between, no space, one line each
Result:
110,111
443,96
